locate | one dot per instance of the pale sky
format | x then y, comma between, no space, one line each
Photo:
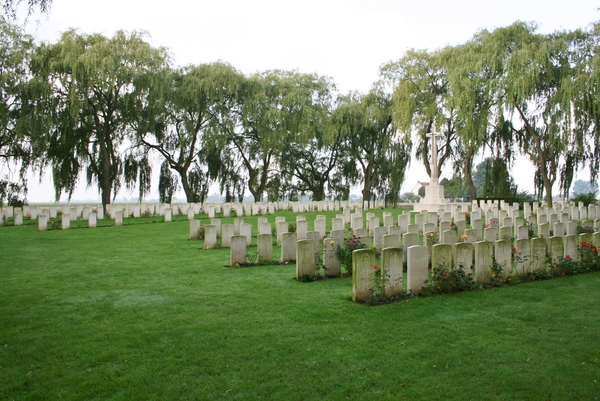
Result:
346,40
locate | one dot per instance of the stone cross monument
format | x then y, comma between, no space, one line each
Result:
434,192
434,158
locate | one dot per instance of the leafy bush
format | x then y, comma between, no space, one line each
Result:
564,266
446,280
588,257
589,198
344,251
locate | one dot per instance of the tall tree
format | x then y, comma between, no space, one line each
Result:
422,100
377,153
20,146
183,128
585,89
273,107
533,85
309,168
96,87
307,165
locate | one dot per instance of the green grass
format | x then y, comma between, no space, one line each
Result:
141,312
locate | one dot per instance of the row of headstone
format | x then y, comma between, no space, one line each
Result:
477,259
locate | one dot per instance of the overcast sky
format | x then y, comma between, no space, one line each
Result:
346,40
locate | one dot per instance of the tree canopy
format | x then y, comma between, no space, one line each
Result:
96,89
107,108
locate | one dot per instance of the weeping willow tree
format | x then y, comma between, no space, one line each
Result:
20,146
311,153
10,7
532,86
95,89
376,153
275,108
182,125
479,125
584,89
422,100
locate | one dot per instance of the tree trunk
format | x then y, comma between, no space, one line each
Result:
190,196
547,187
319,193
105,179
467,173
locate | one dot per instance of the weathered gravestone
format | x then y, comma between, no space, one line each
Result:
477,225
441,255
378,233
210,236
523,232
503,256
337,224
417,267
490,234
391,241
288,247
217,224
403,221
408,240
331,262
282,228
320,227
194,229
444,226
505,233
42,222
555,248
337,235
92,220
305,259
392,261
544,230
522,257
363,235
246,231
463,256
118,218
18,219
484,250
538,253
227,231
449,237
264,228
237,252
264,248
363,274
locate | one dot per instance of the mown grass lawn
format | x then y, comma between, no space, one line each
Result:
141,312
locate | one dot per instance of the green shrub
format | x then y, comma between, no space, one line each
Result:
589,198
447,280
344,251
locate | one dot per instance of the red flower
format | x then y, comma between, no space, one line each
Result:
567,256
375,267
583,243
513,249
